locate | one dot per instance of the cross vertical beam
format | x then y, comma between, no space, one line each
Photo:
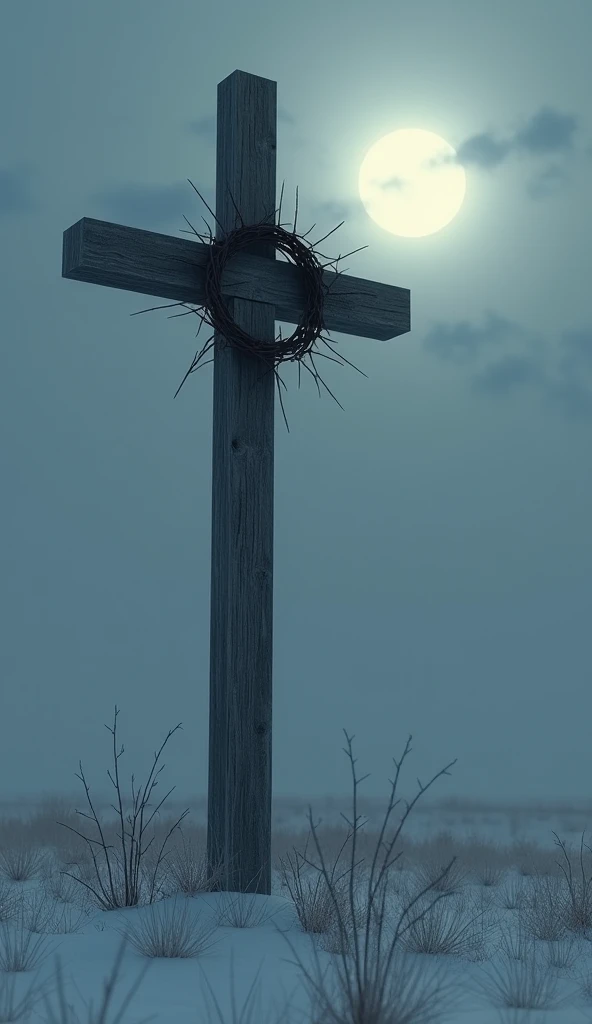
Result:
257,289
241,613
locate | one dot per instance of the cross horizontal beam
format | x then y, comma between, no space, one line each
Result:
99,252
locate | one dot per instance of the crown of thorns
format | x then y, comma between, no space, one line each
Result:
215,312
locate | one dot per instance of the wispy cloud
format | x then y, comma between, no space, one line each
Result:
507,374
546,132
560,372
205,127
482,151
15,191
549,131
333,210
462,342
395,184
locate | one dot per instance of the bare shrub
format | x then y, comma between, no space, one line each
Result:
371,979
313,895
579,912
130,893
411,993
148,888
9,902
543,908
188,870
338,939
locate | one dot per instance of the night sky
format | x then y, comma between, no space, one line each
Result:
432,540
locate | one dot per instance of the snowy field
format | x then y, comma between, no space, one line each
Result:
508,940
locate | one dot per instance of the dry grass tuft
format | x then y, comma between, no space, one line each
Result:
21,863
511,893
162,932
521,984
18,951
455,926
543,908
444,878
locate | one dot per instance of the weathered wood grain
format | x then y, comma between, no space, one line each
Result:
241,616
117,256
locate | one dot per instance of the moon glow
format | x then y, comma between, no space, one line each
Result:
411,184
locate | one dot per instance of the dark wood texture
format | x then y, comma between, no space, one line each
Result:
99,252
239,795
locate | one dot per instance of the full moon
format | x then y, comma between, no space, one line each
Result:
411,184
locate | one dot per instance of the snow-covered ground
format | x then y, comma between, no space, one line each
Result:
503,935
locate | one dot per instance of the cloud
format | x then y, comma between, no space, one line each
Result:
461,342
205,127
15,191
155,206
507,374
561,373
483,151
334,210
570,390
546,132
285,116
395,183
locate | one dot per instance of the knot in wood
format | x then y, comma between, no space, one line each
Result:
262,575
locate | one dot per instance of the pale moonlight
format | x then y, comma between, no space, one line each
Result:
411,183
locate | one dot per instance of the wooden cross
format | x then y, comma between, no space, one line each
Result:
258,290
